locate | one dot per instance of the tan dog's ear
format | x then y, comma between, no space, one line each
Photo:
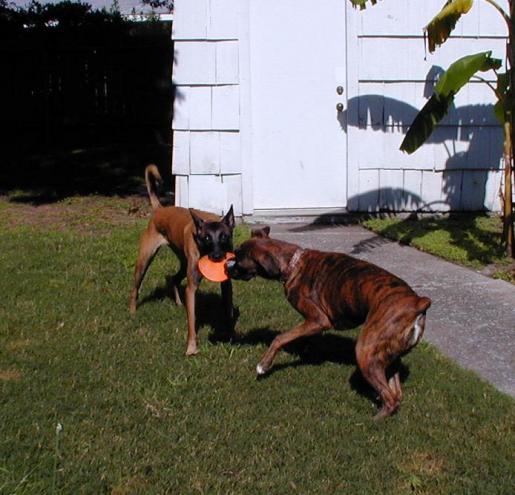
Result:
228,219
199,223
262,233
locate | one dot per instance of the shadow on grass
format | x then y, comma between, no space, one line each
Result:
473,233
107,170
477,236
317,350
208,309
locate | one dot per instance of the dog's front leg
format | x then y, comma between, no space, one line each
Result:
308,327
191,289
226,288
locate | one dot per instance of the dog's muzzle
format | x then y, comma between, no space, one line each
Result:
231,267
234,271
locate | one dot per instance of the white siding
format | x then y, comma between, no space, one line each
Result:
199,105
232,186
404,59
492,189
227,62
412,189
206,153
206,193
223,22
390,78
190,19
194,62
206,150
181,153
230,153
226,108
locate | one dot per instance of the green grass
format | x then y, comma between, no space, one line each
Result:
139,417
472,240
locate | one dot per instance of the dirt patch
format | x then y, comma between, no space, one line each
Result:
18,345
84,214
423,463
10,375
136,484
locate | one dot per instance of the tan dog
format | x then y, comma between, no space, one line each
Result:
331,289
190,234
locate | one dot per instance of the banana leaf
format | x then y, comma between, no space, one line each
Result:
459,73
362,4
456,76
434,110
441,26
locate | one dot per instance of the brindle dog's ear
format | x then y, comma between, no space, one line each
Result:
199,223
228,219
262,233
268,267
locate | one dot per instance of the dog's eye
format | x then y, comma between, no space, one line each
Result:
207,238
223,237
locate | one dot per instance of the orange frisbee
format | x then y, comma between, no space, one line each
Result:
214,270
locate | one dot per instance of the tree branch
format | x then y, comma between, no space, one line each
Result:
501,11
489,84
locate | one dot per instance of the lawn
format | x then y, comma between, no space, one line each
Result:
139,417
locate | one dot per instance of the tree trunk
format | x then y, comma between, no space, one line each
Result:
508,236
509,136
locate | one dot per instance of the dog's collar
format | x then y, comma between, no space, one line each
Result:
292,265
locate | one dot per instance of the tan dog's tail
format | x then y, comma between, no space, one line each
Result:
152,177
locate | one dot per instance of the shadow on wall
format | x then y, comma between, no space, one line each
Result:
464,173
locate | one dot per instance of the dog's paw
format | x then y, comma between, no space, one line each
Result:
260,370
386,411
191,350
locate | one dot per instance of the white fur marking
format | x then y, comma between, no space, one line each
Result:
417,331
260,370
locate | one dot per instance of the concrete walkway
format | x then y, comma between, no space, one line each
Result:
472,318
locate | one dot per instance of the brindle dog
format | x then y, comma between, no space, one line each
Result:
331,288
190,234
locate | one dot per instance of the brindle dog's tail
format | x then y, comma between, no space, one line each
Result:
423,304
152,178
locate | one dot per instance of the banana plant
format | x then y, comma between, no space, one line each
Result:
458,75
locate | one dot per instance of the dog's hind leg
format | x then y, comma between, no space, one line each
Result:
394,378
150,241
178,278
373,365
395,385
